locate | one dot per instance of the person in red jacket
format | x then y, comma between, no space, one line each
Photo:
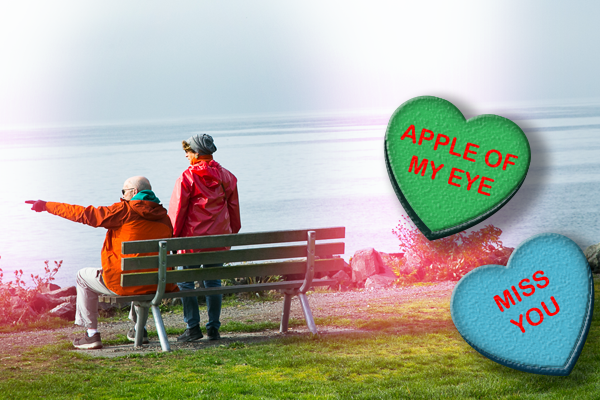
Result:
138,216
204,202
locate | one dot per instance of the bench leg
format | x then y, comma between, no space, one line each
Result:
310,322
142,317
285,315
160,329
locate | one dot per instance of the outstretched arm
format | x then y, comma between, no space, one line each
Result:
105,217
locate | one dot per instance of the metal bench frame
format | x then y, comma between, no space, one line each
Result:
304,261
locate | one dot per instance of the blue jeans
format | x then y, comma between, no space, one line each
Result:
191,314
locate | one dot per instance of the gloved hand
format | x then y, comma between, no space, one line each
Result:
38,205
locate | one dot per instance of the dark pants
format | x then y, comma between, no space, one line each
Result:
191,314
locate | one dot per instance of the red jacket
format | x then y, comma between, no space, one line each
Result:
205,201
125,221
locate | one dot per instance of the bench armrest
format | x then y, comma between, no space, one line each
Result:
310,262
162,273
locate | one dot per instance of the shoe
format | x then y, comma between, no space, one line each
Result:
190,335
213,334
131,336
88,343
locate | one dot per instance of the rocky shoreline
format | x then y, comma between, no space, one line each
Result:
369,275
367,269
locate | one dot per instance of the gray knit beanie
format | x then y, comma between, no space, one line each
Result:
202,144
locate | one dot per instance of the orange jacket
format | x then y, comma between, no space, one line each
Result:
125,221
205,201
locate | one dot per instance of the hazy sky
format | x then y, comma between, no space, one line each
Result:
99,61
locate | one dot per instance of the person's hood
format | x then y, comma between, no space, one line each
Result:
148,209
208,172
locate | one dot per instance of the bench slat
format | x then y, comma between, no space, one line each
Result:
230,272
226,256
221,290
237,239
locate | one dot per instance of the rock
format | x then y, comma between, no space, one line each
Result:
390,261
342,277
380,281
65,311
108,306
69,299
366,262
49,300
346,268
344,281
39,302
411,262
592,253
176,301
48,287
42,302
390,273
64,292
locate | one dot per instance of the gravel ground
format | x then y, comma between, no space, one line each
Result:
347,304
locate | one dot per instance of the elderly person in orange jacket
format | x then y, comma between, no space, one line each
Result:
138,216
204,202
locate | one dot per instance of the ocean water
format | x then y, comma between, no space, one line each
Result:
293,172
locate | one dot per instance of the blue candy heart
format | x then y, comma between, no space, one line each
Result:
532,315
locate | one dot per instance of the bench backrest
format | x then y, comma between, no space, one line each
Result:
273,247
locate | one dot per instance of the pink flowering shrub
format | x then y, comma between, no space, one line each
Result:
448,258
16,296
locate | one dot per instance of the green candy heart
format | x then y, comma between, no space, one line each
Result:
450,173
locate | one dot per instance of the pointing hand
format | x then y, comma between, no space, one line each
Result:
38,205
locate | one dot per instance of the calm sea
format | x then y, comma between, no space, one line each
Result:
293,173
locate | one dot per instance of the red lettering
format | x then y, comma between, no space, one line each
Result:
520,323
438,142
505,302
487,158
467,151
452,176
413,163
543,278
507,161
525,287
516,293
555,306
452,148
422,137
413,136
482,185
537,310
471,180
435,171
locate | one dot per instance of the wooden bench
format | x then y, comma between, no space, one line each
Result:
277,252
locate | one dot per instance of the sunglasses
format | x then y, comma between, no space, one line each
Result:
124,190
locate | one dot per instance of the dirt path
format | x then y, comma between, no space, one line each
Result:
347,304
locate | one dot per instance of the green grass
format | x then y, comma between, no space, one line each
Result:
427,360
46,322
386,317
